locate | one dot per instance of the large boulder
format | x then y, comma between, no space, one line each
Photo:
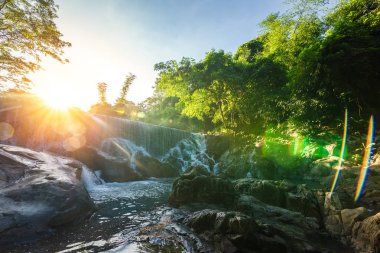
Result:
38,192
285,230
270,192
282,194
347,185
197,187
123,169
366,234
227,231
151,167
113,169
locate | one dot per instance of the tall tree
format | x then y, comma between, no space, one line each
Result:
27,32
102,91
125,88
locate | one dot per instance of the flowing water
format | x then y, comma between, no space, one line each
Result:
126,208
122,208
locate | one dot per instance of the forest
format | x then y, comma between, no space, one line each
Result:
300,74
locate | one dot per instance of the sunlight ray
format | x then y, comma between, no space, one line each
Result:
129,155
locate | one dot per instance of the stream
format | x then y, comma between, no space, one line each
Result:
122,208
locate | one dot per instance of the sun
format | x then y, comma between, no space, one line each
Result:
57,98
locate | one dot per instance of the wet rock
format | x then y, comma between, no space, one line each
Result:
122,169
283,194
40,192
198,188
89,156
112,169
167,234
193,171
227,231
270,192
285,230
366,234
149,166
118,170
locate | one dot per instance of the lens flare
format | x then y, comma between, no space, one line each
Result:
6,131
342,153
366,159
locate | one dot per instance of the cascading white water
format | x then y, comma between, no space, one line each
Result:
90,179
156,140
191,152
188,152
122,149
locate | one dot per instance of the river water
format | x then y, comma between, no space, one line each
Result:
122,208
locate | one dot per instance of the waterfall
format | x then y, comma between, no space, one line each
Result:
118,138
90,179
122,149
191,152
156,140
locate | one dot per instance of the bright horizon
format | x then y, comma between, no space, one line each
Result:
112,38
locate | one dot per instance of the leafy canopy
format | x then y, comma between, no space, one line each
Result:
27,32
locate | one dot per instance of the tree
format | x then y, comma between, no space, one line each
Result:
27,32
102,91
125,88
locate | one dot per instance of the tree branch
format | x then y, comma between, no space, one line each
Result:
2,5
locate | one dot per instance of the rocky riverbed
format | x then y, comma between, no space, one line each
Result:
55,204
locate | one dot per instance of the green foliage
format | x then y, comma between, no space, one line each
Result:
125,88
27,32
102,91
165,111
299,75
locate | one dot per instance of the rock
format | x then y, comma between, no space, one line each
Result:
89,156
285,230
193,171
217,145
332,203
38,192
269,192
350,216
305,201
282,194
227,231
366,234
122,169
118,170
149,166
339,223
113,169
347,185
236,163
199,188
333,224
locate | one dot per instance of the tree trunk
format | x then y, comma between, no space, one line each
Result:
222,114
2,5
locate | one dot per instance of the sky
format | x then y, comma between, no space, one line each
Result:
114,37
